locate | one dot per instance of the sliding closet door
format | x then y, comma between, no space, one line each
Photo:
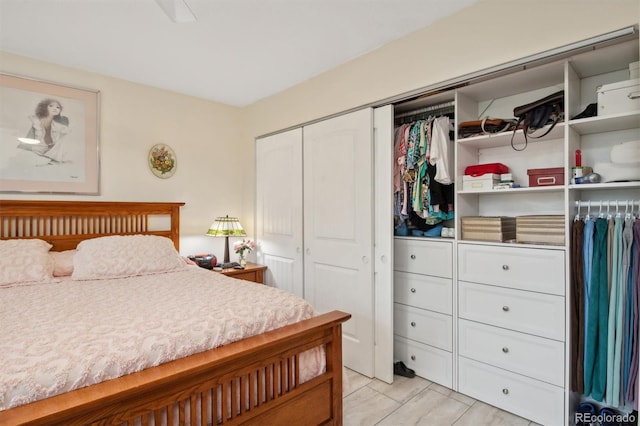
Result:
383,241
338,228
279,209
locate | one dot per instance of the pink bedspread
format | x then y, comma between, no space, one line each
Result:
68,334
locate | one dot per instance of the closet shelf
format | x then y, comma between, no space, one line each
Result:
606,123
554,188
608,185
504,139
514,244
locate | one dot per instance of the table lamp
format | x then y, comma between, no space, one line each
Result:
226,227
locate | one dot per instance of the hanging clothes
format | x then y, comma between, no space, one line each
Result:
577,306
420,201
596,359
604,299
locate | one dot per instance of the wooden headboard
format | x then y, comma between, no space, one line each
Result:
64,224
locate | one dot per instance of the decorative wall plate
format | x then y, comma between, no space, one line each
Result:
162,161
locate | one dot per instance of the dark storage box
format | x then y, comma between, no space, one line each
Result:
546,177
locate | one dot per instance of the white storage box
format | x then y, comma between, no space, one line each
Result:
483,182
615,98
625,153
634,70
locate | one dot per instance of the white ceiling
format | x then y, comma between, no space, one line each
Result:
237,52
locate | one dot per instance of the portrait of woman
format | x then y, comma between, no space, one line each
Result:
47,131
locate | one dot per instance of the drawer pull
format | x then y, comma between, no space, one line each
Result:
413,290
413,256
505,308
505,350
505,267
505,391
413,357
413,323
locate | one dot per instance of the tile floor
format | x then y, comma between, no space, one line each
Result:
416,401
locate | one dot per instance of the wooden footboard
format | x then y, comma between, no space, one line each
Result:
252,381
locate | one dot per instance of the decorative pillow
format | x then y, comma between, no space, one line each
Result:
62,262
125,256
24,260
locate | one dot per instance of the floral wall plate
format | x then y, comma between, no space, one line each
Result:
162,161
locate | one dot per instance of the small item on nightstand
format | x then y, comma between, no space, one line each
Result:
238,267
207,261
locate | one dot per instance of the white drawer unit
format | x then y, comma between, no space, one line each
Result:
529,312
423,326
423,291
540,270
423,257
532,399
532,356
427,361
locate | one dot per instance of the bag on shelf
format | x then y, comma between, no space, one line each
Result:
538,114
484,127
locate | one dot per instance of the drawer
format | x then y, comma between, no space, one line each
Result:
423,291
522,268
423,326
534,400
431,363
526,311
532,356
423,257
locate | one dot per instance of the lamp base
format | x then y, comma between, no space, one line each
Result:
226,249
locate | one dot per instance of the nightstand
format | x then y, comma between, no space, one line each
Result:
251,272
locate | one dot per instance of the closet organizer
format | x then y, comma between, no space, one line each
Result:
501,321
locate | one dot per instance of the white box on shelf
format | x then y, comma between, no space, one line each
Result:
634,70
623,96
480,183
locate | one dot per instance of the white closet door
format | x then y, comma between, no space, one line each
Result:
383,242
338,228
279,209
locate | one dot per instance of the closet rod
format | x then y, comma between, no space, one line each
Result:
445,106
611,203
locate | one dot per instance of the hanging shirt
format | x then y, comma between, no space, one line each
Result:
440,155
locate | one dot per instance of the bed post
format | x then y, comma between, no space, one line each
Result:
334,364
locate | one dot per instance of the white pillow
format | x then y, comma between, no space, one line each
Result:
62,262
24,260
124,256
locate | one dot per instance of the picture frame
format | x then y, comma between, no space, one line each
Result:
48,137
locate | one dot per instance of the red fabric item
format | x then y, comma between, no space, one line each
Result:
481,169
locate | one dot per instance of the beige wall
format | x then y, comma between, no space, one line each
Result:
489,33
204,136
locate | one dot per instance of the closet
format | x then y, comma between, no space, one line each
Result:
490,319
315,227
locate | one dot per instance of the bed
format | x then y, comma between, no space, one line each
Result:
255,380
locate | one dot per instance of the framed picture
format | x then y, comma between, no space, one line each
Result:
48,137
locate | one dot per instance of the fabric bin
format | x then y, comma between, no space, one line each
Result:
615,98
488,228
540,229
546,177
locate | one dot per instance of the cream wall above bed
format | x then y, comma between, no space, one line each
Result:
204,135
